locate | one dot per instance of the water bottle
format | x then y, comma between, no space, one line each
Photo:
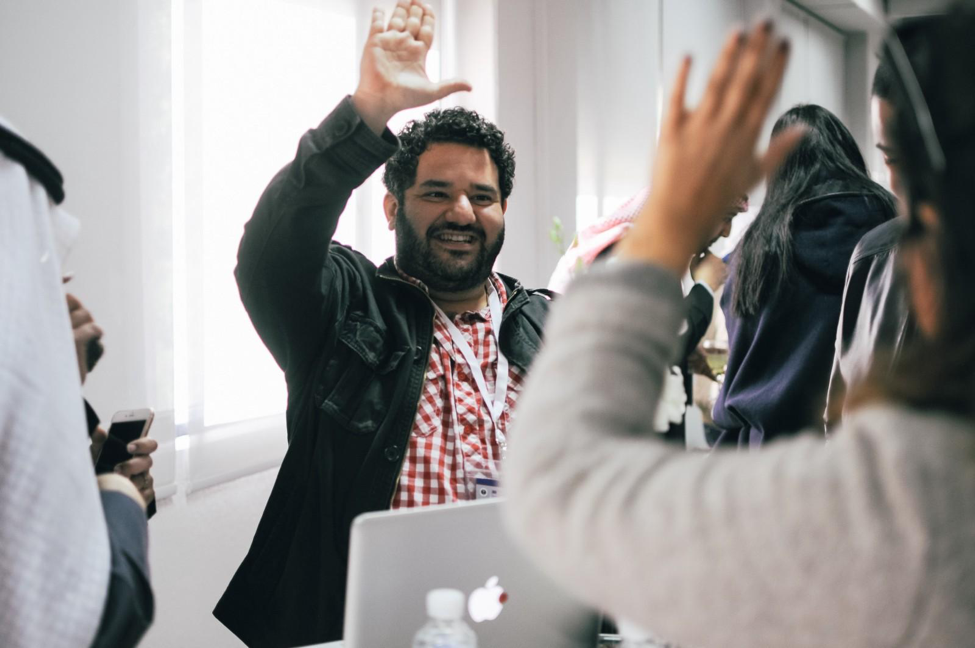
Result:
636,637
446,627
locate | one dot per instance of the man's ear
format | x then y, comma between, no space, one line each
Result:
504,205
390,207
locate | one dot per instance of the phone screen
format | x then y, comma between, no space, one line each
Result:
120,434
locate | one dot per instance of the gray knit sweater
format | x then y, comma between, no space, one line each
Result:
866,541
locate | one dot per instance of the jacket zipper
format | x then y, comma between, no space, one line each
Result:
416,405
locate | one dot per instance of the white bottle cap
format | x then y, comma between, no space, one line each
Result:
445,604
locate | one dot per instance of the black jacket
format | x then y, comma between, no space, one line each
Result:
354,343
779,360
875,318
699,303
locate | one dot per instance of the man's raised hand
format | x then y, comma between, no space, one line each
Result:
392,74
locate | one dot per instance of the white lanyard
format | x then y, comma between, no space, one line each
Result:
495,405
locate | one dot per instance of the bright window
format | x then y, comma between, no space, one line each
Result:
256,75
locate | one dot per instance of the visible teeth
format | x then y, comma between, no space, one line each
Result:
456,238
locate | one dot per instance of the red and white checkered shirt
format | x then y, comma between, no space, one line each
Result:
453,440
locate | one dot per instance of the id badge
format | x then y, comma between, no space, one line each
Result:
486,488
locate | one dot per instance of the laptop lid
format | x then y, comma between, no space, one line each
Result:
396,557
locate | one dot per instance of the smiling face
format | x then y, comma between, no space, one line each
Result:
450,224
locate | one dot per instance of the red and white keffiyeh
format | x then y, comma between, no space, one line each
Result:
592,241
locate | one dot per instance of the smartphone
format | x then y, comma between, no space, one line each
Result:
126,427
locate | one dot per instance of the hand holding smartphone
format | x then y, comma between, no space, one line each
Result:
127,426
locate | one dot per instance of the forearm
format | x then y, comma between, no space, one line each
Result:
285,245
129,606
700,308
622,519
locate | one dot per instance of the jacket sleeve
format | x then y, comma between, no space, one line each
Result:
128,607
726,549
853,289
699,304
286,279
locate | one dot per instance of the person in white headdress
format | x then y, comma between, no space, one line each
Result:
73,569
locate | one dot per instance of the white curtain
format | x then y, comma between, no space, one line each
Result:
249,78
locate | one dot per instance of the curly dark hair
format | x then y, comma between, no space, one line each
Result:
455,125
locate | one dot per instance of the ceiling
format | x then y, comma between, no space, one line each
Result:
856,15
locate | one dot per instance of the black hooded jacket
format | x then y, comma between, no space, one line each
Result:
779,360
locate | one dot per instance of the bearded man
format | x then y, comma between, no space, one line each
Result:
402,378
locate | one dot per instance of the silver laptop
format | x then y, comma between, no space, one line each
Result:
396,557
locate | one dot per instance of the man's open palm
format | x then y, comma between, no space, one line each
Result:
393,73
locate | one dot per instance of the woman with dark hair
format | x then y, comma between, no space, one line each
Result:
866,541
783,296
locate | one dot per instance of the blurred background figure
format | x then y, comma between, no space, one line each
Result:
705,276
73,565
783,298
598,240
875,322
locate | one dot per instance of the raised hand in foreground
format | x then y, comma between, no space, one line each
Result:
706,157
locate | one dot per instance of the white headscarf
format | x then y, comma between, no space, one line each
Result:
54,548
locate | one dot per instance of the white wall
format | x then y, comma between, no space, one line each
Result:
196,545
618,93
580,90
537,63
78,81
65,73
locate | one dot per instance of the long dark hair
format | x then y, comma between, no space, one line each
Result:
828,152
939,372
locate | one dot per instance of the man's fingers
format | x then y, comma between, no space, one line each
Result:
88,332
146,489
134,466
80,317
397,22
143,446
426,30
779,149
675,110
415,20
73,302
378,24
142,480
98,438
449,87
721,75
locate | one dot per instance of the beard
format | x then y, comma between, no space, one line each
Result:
444,272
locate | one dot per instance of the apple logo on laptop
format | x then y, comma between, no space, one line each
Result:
485,603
